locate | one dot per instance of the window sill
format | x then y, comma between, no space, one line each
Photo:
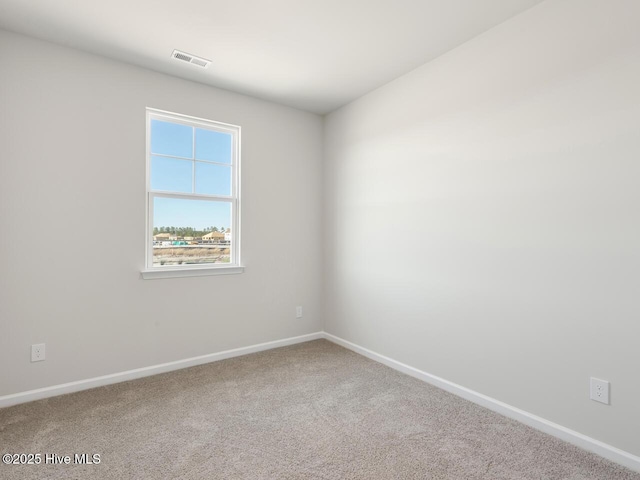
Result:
189,272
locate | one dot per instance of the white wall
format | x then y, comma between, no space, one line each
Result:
483,216
72,193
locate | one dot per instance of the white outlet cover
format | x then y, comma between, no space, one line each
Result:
38,352
298,312
599,390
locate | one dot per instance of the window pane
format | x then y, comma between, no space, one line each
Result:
213,179
191,232
171,175
171,139
213,146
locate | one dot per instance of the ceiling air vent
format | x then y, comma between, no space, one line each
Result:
186,57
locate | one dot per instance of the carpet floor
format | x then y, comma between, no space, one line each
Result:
313,410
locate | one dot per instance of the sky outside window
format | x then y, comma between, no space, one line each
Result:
175,167
171,139
213,146
198,214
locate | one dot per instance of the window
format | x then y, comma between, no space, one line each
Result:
193,225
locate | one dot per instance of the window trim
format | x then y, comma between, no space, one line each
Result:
169,271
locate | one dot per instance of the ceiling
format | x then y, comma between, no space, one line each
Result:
316,55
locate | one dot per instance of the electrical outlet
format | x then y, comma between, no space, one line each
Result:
599,390
37,352
298,312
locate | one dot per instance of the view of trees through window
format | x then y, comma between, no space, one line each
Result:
186,245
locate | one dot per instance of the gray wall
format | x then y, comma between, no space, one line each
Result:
483,216
72,200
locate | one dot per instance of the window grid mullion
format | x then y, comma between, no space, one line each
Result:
214,163
193,196
193,163
175,157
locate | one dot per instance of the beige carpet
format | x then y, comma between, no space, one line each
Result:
313,410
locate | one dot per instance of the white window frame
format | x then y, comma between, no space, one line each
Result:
167,271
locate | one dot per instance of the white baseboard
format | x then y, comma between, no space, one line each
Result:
55,390
587,443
